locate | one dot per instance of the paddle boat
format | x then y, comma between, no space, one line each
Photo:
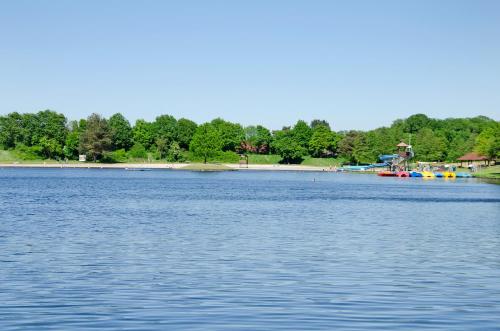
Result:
415,174
387,174
449,174
428,174
438,174
403,174
463,175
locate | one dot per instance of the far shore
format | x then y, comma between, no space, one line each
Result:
166,166
490,173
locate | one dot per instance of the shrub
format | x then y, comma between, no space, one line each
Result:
138,151
117,156
24,152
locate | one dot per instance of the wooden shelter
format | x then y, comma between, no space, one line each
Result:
402,144
473,157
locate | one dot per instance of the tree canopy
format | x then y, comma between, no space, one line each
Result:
207,141
48,134
96,138
121,132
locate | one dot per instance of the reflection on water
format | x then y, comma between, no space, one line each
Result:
164,250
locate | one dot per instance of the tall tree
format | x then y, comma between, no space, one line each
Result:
361,152
71,145
416,122
232,134
206,141
50,147
346,144
285,144
121,132
323,142
144,133
185,131
317,123
96,139
166,127
11,130
161,146
429,146
487,143
50,125
302,133
174,152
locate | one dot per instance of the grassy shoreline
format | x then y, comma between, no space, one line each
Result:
489,173
10,157
166,166
256,162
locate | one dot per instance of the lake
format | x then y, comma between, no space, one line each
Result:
164,250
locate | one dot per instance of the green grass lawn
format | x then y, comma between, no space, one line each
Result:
308,161
10,156
7,156
489,172
321,162
263,159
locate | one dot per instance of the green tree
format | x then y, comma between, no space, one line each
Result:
96,139
347,143
121,132
381,141
487,143
70,149
429,146
50,147
361,152
185,131
31,130
323,142
317,123
416,122
302,133
11,130
166,128
206,141
28,129
174,152
232,134
459,143
48,124
285,144
144,133
161,146
71,145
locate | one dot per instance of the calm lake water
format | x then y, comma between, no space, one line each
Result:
166,250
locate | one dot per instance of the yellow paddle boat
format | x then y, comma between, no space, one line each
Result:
428,174
449,174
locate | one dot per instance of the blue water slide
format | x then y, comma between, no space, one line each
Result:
388,157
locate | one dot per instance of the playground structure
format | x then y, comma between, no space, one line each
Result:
399,165
394,162
399,161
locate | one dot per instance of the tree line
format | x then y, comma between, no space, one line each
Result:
48,134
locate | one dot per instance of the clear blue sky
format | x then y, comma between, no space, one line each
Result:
357,64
